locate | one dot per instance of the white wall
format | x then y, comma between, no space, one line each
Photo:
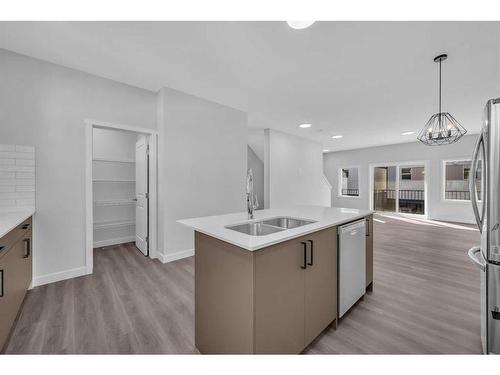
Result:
114,144
293,171
45,105
437,208
203,162
257,166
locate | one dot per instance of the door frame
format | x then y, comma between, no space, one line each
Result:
398,165
152,136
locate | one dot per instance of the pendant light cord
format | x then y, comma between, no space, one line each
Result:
439,86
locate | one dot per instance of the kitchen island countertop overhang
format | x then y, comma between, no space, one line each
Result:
323,217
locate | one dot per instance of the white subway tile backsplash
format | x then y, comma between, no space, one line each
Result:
7,147
25,149
24,174
23,188
7,182
16,155
17,176
16,168
24,162
7,202
25,202
8,161
18,195
7,174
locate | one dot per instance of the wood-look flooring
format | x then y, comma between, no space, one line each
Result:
425,300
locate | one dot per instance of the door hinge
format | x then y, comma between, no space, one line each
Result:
146,195
147,150
147,239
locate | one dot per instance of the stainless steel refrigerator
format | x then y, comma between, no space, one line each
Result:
485,198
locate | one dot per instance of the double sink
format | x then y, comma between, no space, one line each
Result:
269,226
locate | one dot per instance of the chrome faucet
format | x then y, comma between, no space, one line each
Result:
252,202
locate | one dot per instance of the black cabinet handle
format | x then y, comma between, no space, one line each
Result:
25,226
1,283
367,227
312,252
304,253
27,248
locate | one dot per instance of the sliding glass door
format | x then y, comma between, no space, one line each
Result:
384,188
399,188
412,189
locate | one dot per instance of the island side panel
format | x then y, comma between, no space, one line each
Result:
223,297
369,253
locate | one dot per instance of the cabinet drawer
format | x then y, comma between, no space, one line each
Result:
10,238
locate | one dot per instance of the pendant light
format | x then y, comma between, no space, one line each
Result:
442,128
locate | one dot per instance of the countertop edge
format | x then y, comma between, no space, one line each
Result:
23,215
291,237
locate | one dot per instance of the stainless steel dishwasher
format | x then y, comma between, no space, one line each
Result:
352,264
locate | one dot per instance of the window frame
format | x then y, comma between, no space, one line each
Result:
444,163
339,183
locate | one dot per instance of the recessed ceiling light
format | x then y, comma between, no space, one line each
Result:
303,126
326,150
298,25
337,136
407,133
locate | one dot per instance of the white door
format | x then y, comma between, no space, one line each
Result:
141,193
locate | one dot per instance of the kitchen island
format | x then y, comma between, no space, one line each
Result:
269,285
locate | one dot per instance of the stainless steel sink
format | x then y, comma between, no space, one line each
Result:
255,229
287,222
269,226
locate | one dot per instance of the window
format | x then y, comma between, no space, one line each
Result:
466,173
406,173
349,182
456,180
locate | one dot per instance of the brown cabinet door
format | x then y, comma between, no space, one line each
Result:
320,282
369,250
279,298
15,274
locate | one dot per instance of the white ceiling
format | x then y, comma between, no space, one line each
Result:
368,81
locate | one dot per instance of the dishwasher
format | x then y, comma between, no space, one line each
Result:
352,264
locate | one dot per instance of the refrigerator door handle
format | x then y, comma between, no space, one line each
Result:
473,255
472,183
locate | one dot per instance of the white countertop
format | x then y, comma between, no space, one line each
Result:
9,219
325,217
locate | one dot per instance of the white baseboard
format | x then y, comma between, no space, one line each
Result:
166,258
58,276
114,241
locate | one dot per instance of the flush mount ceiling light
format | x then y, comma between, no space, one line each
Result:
442,128
299,25
337,136
326,150
305,126
408,133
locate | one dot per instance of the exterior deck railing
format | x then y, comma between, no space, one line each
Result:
350,192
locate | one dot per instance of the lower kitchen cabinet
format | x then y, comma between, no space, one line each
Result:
272,300
295,292
15,275
320,283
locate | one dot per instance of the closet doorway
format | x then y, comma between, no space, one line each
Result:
120,188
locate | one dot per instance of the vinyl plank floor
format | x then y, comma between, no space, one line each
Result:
425,301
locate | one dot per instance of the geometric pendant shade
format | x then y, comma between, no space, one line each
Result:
442,128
